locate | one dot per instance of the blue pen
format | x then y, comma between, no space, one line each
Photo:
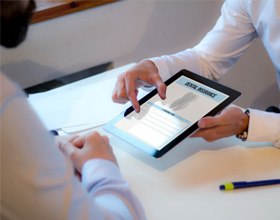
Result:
54,132
244,184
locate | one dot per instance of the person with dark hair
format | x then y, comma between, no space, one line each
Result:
37,173
241,22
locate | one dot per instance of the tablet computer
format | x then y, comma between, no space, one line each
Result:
162,124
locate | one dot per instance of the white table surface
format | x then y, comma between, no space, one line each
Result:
184,183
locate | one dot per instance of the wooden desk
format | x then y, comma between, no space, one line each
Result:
49,9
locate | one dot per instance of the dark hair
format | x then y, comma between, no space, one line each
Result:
15,19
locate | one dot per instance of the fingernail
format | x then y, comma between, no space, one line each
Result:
201,124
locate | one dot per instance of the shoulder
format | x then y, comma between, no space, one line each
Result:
8,89
247,7
245,10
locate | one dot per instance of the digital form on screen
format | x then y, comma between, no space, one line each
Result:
159,120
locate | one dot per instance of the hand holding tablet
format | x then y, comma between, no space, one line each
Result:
161,124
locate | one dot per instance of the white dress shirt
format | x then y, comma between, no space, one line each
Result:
37,180
241,22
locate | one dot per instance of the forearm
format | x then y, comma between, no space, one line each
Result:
193,60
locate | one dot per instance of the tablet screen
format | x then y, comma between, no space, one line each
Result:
159,122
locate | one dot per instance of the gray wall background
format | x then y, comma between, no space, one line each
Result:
128,31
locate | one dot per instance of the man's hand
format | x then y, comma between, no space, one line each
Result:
84,148
143,73
230,122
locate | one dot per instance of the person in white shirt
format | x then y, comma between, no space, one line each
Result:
241,21
37,173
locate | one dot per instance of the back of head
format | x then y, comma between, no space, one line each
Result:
15,16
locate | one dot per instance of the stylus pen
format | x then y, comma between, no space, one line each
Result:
244,184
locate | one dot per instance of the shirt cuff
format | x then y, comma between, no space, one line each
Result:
264,127
96,170
162,68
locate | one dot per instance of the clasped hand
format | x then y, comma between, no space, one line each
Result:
80,149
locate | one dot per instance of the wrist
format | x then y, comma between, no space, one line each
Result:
150,65
245,121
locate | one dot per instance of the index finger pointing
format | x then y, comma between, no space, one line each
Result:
132,92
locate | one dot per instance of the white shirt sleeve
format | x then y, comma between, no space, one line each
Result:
264,126
38,182
103,181
218,50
